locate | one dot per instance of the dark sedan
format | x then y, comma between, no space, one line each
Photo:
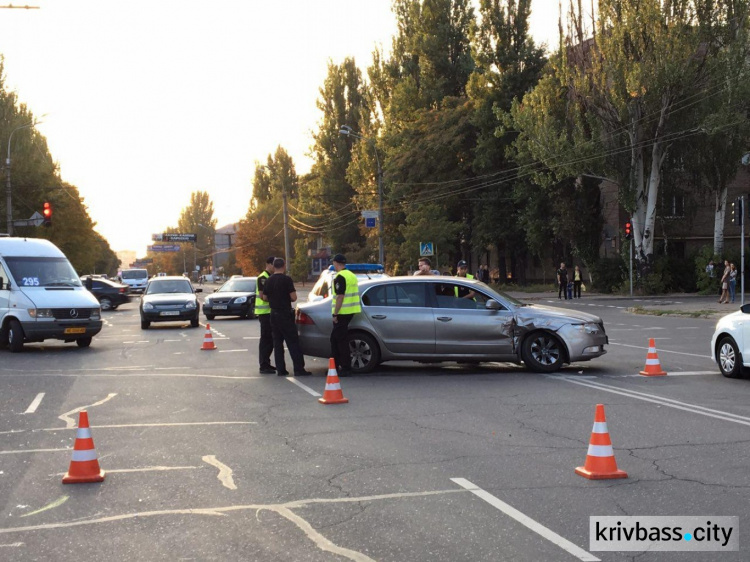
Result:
169,299
236,297
109,294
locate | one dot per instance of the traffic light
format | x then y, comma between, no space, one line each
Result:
628,230
47,214
737,211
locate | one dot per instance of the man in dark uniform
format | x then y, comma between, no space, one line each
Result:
562,281
263,312
280,293
344,306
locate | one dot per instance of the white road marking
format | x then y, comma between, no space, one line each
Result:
251,337
145,469
662,350
689,328
239,377
13,544
225,473
34,450
527,521
682,374
71,422
692,408
35,403
302,386
183,424
231,350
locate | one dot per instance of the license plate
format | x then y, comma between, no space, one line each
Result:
220,307
75,330
169,313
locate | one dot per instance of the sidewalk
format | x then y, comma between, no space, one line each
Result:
681,303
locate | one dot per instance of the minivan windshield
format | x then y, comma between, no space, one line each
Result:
42,272
135,274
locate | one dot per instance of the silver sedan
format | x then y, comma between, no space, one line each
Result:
452,319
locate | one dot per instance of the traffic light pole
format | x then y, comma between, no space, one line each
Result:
742,250
630,267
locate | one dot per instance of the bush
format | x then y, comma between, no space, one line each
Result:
608,274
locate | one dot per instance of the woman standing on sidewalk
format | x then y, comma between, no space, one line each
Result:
724,298
732,281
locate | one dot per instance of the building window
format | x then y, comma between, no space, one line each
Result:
673,206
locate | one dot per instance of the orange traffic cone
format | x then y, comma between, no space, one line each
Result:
600,459
208,340
333,394
653,367
85,464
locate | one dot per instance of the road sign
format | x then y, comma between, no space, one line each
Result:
425,249
35,220
174,237
370,222
164,248
369,214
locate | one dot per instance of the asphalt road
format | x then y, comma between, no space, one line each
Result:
208,460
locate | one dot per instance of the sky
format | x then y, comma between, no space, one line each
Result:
147,101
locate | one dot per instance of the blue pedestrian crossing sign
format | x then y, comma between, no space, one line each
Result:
425,249
370,222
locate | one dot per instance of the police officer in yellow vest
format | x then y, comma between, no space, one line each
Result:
263,312
344,306
463,271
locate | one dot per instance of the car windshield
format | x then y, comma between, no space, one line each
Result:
43,272
135,274
238,286
169,286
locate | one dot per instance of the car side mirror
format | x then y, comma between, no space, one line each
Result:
492,305
2,282
215,290
199,290
745,308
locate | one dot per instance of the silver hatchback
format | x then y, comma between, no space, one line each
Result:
452,319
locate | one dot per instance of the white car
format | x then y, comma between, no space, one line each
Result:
729,344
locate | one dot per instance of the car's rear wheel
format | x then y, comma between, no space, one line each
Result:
542,352
729,358
145,324
106,303
365,352
15,336
83,342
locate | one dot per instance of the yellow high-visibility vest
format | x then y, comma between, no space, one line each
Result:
261,306
351,297
468,276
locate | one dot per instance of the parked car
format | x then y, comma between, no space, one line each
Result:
169,299
729,347
236,297
322,287
422,319
109,294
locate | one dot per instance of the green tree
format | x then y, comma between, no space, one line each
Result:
198,218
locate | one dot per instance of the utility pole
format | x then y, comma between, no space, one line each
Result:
286,223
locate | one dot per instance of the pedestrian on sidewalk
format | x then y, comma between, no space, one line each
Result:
724,298
732,281
577,282
562,282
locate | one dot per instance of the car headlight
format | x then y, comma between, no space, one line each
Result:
96,313
41,313
208,301
190,305
240,300
148,306
591,328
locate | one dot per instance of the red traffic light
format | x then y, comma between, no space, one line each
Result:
628,230
47,214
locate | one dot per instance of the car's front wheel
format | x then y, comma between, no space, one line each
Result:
729,358
194,323
210,316
364,351
83,342
542,352
15,336
145,324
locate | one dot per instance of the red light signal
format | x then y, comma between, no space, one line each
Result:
628,230
47,214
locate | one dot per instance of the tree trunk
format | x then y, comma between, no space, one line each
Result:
721,211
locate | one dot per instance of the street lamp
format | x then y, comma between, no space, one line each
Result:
347,131
8,195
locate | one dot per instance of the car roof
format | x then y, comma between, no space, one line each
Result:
169,278
29,247
361,267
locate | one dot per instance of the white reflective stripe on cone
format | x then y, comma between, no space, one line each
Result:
83,433
332,372
652,361
601,451
600,427
333,386
80,456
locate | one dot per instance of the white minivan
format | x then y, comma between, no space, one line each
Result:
41,296
136,279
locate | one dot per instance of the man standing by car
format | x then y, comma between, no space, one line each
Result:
280,293
463,271
344,306
263,312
